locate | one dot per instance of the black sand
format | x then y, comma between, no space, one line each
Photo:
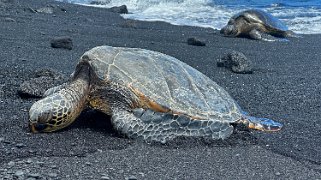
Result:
285,86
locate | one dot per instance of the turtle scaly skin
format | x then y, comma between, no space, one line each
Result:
150,95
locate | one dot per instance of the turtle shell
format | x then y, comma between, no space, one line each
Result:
262,17
164,79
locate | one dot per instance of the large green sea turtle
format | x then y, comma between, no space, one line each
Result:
256,24
149,95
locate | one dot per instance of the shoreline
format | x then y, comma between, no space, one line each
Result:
285,86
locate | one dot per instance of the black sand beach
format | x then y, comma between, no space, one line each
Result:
285,86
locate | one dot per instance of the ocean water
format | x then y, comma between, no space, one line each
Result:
301,16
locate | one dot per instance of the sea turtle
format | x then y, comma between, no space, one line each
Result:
149,95
256,24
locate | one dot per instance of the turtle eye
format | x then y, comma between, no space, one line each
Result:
40,127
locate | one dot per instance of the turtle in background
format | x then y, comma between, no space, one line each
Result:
256,24
149,96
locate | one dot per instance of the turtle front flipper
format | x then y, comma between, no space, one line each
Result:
61,108
155,126
262,124
259,35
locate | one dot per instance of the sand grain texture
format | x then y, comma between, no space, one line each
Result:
285,86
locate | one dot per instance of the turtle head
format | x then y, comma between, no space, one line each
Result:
229,30
50,114
61,108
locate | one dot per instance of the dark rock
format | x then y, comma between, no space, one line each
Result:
119,9
62,42
236,62
49,9
35,87
43,80
195,42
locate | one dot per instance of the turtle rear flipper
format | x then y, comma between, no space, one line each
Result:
262,124
155,126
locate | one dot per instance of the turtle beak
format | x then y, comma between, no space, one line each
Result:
228,30
37,127
32,128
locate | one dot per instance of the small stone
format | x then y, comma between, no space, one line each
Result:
46,10
11,163
34,175
40,162
54,166
131,178
9,19
105,177
277,173
6,141
19,173
53,175
20,145
31,151
236,62
62,42
88,163
28,161
195,42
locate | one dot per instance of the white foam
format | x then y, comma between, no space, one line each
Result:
204,13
